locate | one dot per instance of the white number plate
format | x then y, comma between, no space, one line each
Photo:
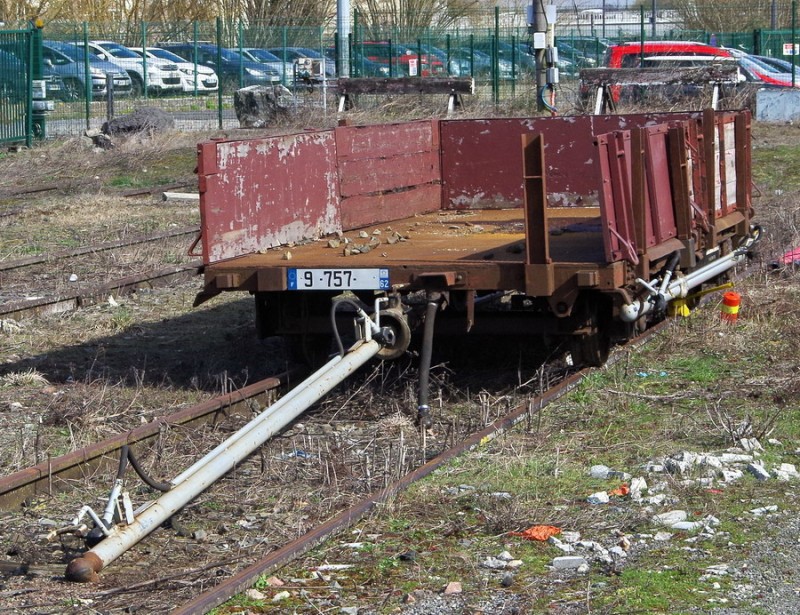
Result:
337,279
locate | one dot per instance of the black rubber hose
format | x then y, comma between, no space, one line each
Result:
151,482
423,408
673,262
123,461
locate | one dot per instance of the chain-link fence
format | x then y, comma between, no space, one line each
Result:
191,69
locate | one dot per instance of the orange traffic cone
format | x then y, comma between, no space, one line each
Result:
730,306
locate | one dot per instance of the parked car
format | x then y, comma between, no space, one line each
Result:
402,58
162,76
629,55
779,64
359,65
525,62
193,76
593,47
574,56
234,70
69,61
757,69
478,64
269,59
307,56
14,76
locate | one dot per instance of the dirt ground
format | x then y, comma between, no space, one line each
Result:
70,379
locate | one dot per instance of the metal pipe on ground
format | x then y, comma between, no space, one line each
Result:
289,397
87,567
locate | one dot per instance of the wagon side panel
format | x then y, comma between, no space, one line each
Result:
261,193
387,171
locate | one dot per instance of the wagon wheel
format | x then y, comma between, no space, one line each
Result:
312,349
592,347
591,350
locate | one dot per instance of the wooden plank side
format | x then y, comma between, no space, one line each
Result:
370,175
384,140
261,193
364,210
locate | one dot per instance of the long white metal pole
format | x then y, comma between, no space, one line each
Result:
86,567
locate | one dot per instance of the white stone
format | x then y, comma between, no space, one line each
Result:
599,471
677,466
505,556
514,563
670,518
789,468
616,474
73,277
735,458
656,500
730,475
618,552
583,568
638,485
568,561
662,536
759,471
254,594
687,526
601,497
710,461
493,563
570,537
566,548
758,512
751,444
281,596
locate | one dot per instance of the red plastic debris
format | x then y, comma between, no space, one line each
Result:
792,257
538,532
623,489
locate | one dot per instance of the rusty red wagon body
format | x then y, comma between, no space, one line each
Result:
563,226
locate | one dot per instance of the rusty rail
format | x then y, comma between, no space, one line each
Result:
15,488
101,247
122,286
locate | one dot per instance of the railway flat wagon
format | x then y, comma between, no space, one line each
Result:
572,229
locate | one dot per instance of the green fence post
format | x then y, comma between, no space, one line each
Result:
144,59
641,33
240,36
37,121
794,39
355,39
219,68
195,33
284,41
88,74
513,61
496,57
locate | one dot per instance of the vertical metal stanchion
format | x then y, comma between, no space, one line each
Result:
109,97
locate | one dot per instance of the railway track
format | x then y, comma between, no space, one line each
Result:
312,447
115,268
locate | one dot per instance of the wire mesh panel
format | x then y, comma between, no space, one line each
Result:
15,85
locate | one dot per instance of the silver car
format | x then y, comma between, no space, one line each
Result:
69,61
198,76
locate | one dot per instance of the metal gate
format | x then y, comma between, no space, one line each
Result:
16,85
